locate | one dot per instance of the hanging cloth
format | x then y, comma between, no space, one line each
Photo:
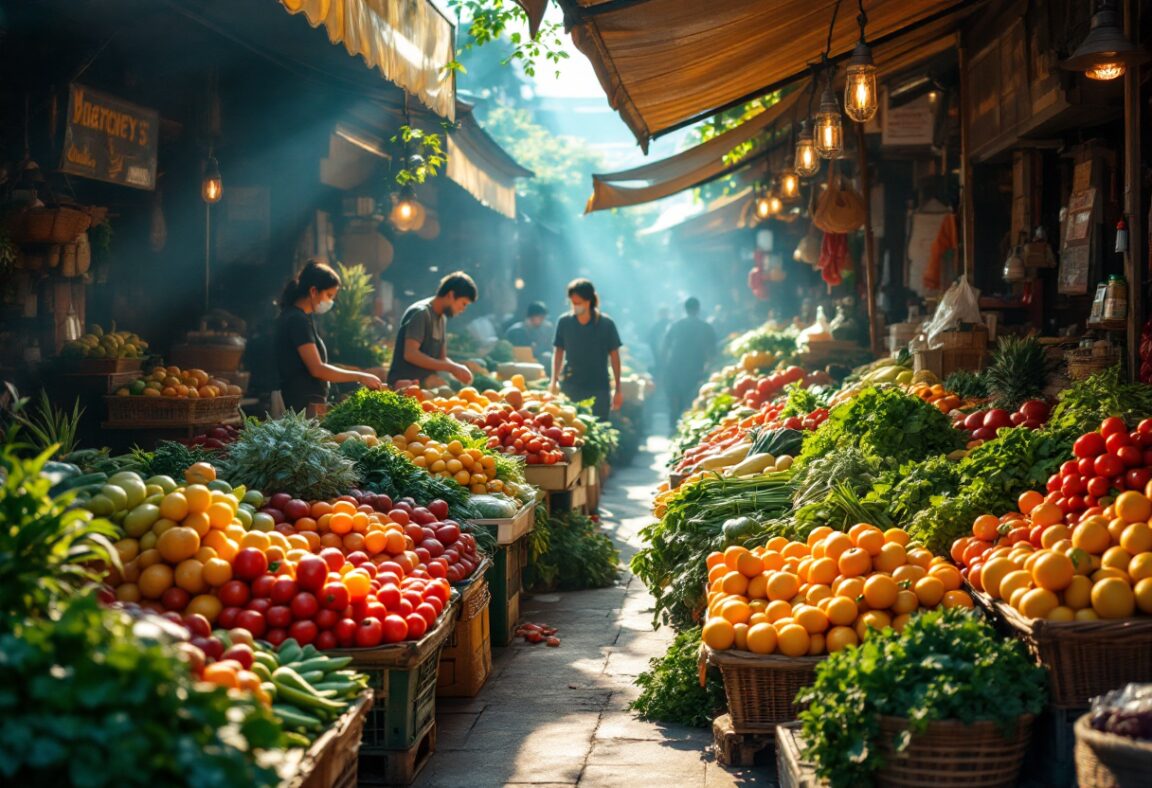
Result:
833,258
943,251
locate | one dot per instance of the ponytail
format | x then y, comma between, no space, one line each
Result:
314,274
586,290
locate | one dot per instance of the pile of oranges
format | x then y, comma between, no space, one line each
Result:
797,599
1100,568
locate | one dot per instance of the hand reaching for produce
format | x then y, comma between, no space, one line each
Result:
368,380
461,373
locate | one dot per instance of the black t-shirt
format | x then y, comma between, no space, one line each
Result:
689,343
419,322
297,385
586,350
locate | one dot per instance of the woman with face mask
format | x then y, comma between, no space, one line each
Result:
301,358
586,343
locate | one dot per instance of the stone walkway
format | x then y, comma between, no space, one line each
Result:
559,716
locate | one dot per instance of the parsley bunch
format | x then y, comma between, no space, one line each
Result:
671,691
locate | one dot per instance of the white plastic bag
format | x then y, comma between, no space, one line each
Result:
961,304
819,331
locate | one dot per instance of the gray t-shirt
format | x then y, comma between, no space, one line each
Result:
419,322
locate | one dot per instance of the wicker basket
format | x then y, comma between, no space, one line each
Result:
177,411
1106,760
220,358
762,688
50,225
953,753
1083,362
1083,658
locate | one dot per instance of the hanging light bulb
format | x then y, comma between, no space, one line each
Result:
763,205
829,136
1105,53
807,160
212,187
775,205
789,183
860,101
405,210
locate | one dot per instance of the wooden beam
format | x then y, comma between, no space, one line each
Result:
967,204
1134,269
869,241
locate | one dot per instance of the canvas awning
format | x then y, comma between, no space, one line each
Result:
667,63
481,167
408,41
723,215
690,168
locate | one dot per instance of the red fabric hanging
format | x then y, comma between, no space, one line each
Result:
833,258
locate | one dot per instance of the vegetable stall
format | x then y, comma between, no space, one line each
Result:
894,575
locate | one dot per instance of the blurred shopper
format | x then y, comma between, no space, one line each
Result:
688,347
301,358
656,339
586,342
422,345
534,331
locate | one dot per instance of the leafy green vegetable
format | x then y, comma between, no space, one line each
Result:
383,469
945,665
670,688
350,335
916,487
802,401
781,343
90,699
601,440
291,454
47,551
172,459
47,426
1086,403
572,553
442,428
502,352
967,384
385,411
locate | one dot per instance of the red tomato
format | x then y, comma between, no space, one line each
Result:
436,604
227,617
252,621
259,605
346,632
1054,482
282,591
1098,486
1145,426
328,619
279,616
311,573
1138,478
249,564
333,557
389,596
304,605
369,633
417,626
1114,441
1072,485
427,612
1089,444
276,636
1113,425
1017,535
1086,466
438,569
334,596
1075,503
234,593
1109,465
326,641
305,632
441,589
1130,456
1035,534
262,586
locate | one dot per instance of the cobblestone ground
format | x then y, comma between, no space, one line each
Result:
559,716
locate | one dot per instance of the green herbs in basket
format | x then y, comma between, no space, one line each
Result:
385,411
945,665
291,454
670,689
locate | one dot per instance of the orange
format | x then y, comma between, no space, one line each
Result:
1062,613
734,583
795,550
741,633
900,621
839,638
793,640
906,601
190,576
714,559
841,611
818,533
256,539
1078,594
836,544
762,639
1052,571
854,562
1116,529
1087,614
851,587
198,522
920,557
220,514
206,605
1112,598
855,531
880,592
360,522
1091,536
748,564
199,497
811,618
1101,574
1116,558
773,561
993,572
174,506
776,543
816,592
717,572
873,619
736,610
719,634
375,542
353,542
1132,507
1014,581
217,571
155,580
1046,514
909,573
1054,534
892,556
1029,500
177,544
816,644
1038,603
340,523
1137,538
758,587
128,592
823,571
897,536
778,609
225,548
1143,595
1140,567
871,541
929,590
783,585
320,508
344,507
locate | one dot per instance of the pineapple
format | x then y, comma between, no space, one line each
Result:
1019,371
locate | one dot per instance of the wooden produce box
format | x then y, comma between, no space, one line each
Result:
592,484
466,661
332,760
137,412
791,770
509,529
559,477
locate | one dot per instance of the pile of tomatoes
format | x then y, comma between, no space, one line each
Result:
754,392
536,437
984,424
1107,462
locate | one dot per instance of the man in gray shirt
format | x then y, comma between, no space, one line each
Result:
421,346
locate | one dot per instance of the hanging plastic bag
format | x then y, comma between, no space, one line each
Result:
961,304
808,250
819,331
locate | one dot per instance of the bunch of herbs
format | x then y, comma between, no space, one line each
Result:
385,411
671,689
292,454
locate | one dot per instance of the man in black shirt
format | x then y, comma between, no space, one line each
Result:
421,345
688,346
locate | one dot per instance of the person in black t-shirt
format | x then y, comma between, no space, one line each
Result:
301,358
586,341
689,344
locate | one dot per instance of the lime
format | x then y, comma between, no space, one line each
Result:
141,519
220,485
245,518
137,387
102,506
254,498
263,522
132,486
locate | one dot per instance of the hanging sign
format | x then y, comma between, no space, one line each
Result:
108,139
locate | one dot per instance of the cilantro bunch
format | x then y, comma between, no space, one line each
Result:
385,411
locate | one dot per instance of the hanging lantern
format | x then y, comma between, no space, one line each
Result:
829,136
1105,53
860,101
807,160
212,187
789,184
763,205
406,211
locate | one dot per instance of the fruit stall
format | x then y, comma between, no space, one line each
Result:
308,589
891,578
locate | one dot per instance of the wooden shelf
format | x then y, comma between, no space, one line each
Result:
1109,325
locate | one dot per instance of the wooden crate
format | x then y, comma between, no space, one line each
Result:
505,581
466,660
560,477
791,770
510,529
332,759
739,749
397,766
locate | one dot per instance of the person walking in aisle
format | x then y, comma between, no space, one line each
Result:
421,344
586,342
534,331
688,347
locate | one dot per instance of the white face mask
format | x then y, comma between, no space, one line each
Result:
322,307
579,310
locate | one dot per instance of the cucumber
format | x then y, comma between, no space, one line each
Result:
290,715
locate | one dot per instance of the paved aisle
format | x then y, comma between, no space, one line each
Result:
558,716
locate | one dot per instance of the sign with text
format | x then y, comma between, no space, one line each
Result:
108,139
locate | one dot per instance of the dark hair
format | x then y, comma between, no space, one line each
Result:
536,309
460,284
314,274
692,305
586,290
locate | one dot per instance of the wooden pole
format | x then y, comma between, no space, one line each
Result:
869,241
967,204
1134,270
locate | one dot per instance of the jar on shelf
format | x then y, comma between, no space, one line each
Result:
1116,298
